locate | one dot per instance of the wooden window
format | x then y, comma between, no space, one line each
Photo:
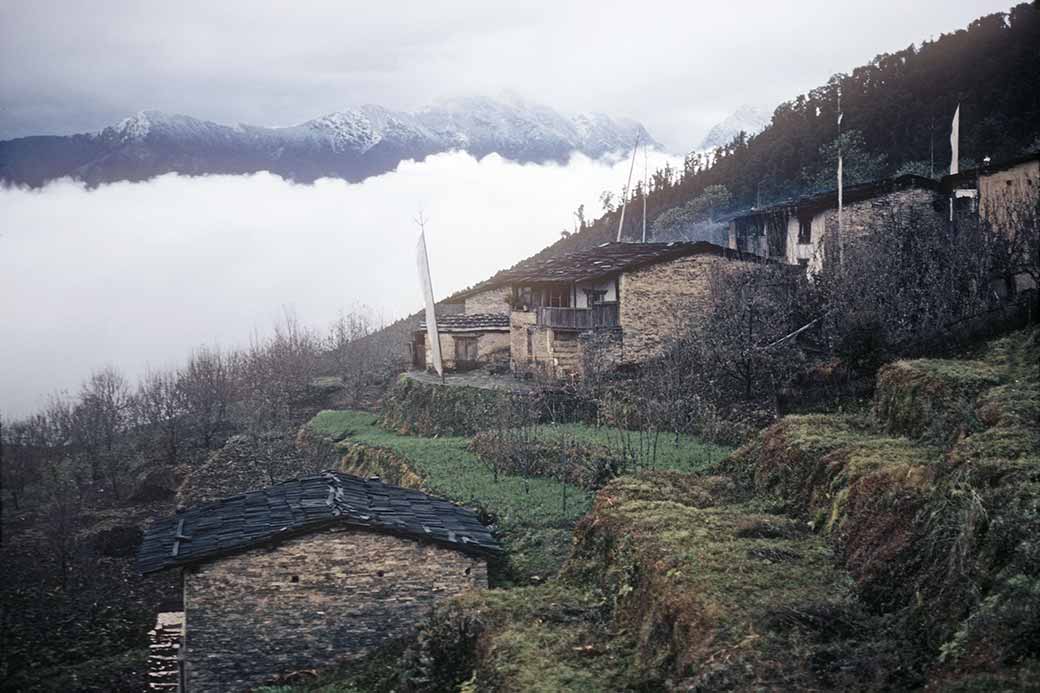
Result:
595,297
558,297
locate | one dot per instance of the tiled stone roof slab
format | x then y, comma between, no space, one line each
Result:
475,322
299,506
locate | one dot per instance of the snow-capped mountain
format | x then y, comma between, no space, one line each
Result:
749,119
351,144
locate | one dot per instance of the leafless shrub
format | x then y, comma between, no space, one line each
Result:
161,404
362,351
61,515
208,387
909,273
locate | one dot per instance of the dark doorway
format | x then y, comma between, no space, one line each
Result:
466,353
419,351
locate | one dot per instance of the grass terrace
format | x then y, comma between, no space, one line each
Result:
535,515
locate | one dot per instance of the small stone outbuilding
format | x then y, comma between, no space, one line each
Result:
468,341
473,329
308,573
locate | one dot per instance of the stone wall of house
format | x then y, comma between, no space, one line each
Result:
310,602
519,323
1009,192
543,349
492,348
657,301
600,351
858,217
490,301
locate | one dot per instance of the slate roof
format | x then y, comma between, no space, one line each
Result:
603,261
850,193
475,322
301,506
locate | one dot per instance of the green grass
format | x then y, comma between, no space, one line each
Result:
535,515
684,453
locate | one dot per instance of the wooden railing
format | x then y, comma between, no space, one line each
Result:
592,318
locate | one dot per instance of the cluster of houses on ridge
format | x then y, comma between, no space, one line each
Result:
314,571
626,297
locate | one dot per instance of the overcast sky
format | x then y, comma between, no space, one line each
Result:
678,67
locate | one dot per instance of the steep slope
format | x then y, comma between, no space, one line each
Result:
351,144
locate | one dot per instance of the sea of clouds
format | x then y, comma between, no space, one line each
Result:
135,275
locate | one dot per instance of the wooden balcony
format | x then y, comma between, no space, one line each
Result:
597,317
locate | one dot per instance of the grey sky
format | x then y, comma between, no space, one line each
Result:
678,67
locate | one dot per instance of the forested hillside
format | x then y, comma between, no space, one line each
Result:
898,110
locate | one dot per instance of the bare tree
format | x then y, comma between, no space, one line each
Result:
908,274
161,404
23,451
359,349
279,369
208,387
749,310
61,515
97,421
1010,228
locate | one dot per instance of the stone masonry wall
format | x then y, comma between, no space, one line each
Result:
1014,189
492,347
310,602
858,217
519,322
657,301
490,301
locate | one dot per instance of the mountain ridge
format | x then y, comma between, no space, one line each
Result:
748,119
352,144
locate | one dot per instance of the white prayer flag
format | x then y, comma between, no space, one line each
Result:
955,137
840,184
431,313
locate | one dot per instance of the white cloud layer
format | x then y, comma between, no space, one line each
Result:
137,274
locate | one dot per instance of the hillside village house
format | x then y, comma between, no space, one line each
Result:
1001,193
991,187
621,301
794,232
308,573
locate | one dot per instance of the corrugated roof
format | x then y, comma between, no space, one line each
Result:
474,322
300,506
604,260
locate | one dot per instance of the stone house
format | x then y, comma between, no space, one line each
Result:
1007,195
614,304
473,328
992,187
308,573
796,232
